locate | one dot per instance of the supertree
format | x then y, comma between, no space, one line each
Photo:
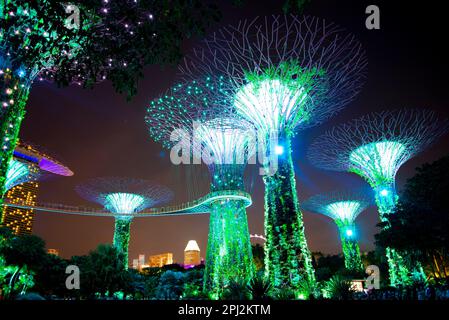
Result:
84,42
286,73
374,147
123,197
191,119
343,207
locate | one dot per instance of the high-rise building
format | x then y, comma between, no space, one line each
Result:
20,220
136,264
24,186
160,260
192,255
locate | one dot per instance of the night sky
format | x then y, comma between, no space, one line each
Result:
98,133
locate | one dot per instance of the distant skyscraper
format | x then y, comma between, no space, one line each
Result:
192,254
160,260
136,264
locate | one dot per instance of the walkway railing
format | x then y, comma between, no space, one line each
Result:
199,206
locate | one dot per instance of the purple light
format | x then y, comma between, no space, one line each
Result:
53,167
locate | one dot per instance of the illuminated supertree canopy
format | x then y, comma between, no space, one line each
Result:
84,42
343,207
286,74
191,118
374,147
122,197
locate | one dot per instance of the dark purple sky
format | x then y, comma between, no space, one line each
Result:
97,133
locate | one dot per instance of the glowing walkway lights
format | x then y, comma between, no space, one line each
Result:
123,198
375,147
343,207
287,73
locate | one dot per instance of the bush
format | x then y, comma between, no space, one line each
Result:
338,288
237,289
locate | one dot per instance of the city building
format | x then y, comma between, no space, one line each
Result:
192,255
23,191
160,260
53,251
139,264
136,264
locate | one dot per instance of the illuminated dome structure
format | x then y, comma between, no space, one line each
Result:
124,197
28,165
343,207
286,74
191,118
374,147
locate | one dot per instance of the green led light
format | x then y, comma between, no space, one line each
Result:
344,211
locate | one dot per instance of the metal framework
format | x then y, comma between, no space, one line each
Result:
343,207
286,73
123,197
193,118
374,147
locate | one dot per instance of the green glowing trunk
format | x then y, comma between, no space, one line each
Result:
287,257
121,237
399,272
351,251
229,255
14,93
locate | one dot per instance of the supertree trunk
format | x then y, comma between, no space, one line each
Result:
288,260
121,237
229,255
400,273
14,92
351,250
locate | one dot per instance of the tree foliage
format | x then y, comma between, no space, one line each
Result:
113,40
420,225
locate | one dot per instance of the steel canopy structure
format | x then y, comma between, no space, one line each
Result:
123,197
374,147
286,73
192,119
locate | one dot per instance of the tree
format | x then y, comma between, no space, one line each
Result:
85,42
26,252
420,225
101,272
328,265
15,277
